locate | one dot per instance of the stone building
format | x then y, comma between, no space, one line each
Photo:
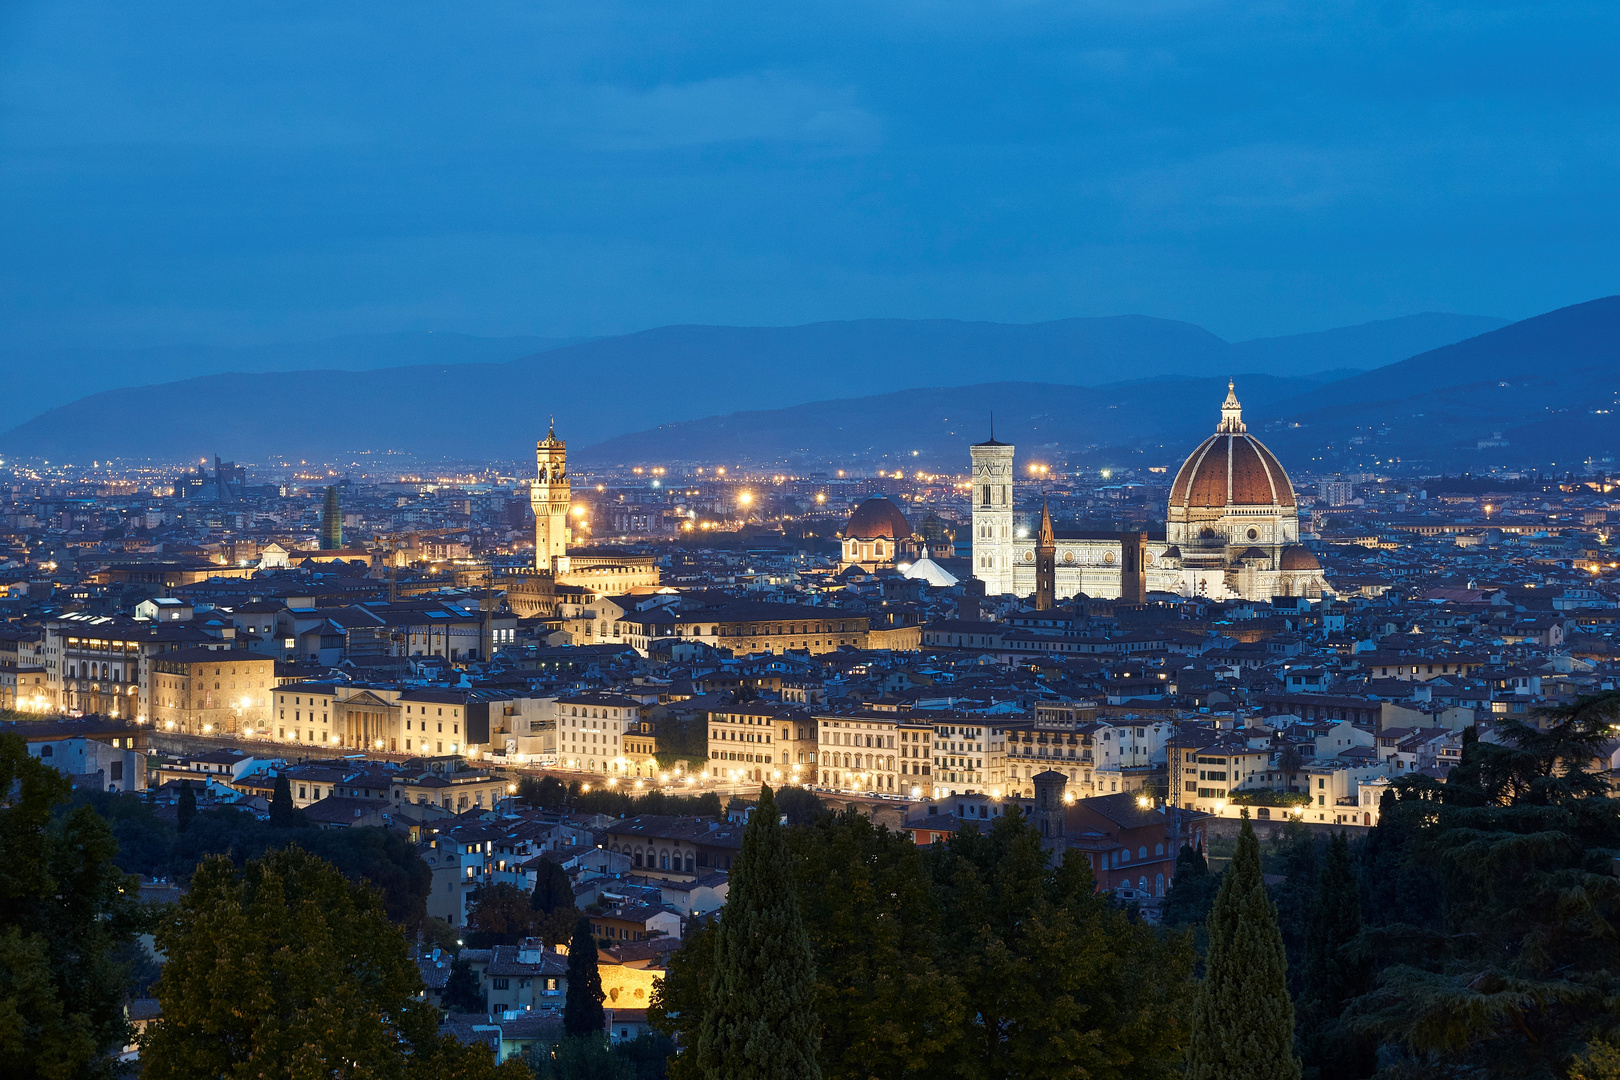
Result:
1232,531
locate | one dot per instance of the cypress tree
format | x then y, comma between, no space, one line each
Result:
760,1021
552,889
186,809
1192,890
1243,1021
582,1011
283,815
1333,975
461,993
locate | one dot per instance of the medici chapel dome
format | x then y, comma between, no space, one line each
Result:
1231,468
877,518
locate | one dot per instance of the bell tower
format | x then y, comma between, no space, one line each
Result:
549,494
1046,564
993,515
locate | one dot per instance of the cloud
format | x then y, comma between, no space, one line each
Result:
765,107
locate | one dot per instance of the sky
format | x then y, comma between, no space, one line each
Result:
247,172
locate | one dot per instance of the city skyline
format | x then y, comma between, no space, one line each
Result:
633,541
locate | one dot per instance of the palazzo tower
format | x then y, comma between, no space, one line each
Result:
550,495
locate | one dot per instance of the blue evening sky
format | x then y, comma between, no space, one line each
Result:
241,172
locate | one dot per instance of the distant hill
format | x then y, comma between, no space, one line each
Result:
1546,390
1143,422
1369,345
601,389
46,377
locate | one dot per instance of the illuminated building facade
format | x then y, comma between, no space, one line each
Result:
550,494
1232,530
202,691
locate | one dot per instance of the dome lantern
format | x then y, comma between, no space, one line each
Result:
1231,412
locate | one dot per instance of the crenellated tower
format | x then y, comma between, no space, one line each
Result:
550,494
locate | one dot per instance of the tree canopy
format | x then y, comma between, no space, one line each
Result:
499,914
286,968
758,1020
149,845
975,959
1243,1020
1497,904
582,1008
66,914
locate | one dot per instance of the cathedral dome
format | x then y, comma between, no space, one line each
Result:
1231,468
877,518
1299,557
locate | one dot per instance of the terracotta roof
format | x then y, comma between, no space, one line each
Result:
1231,469
878,517
1299,557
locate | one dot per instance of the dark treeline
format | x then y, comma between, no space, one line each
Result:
1472,932
975,958
150,845
550,793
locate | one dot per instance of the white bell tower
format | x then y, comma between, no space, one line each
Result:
993,515
550,494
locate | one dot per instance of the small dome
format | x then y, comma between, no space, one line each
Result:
1171,552
1299,557
877,518
1253,553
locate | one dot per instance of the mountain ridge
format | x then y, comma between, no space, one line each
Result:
614,386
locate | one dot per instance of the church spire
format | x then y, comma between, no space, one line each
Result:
1046,563
1231,412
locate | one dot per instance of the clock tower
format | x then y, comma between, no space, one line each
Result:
550,494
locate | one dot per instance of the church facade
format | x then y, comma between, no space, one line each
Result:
1231,531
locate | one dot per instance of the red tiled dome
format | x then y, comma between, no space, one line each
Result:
876,518
1231,469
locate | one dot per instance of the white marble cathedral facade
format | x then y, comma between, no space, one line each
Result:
1231,529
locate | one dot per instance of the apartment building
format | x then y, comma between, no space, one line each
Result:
761,741
969,754
860,752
